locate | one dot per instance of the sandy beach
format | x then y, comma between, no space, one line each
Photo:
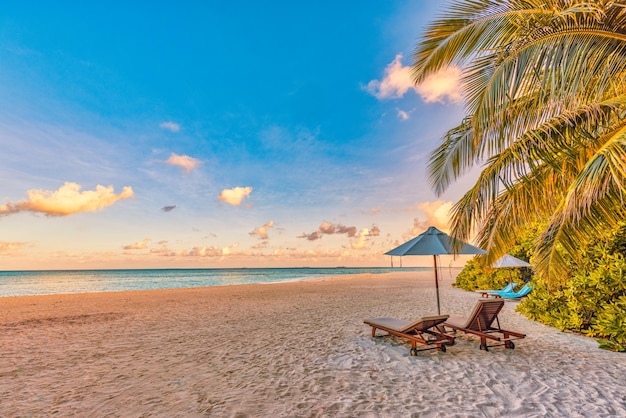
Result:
296,349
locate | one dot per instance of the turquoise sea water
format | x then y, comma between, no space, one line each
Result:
25,283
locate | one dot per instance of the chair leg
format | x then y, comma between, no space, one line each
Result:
483,344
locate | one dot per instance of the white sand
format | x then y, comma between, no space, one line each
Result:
293,349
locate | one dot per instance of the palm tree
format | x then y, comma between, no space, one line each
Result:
545,94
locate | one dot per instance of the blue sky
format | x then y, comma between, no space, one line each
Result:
214,134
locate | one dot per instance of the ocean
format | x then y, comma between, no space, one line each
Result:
28,283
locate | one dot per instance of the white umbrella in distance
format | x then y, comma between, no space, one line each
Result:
510,261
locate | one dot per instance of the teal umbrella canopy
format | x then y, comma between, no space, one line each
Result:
434,242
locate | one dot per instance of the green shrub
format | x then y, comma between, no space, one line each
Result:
611,324
592,300
475,277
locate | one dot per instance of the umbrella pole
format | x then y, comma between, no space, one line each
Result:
437,286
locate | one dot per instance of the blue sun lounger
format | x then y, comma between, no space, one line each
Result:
513,295
508,288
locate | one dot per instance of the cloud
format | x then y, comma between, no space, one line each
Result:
235,195
168,208
141,245
312,236
396,82
183,161
204,251
6,246
443,86
361,240
329,229
261,232
402,115
326,228
67,200
437,215
363,237
170,126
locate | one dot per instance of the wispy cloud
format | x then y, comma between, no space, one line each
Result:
7,247
184,161
198,251
67,200
234,196
397,80
140,245
170,126
402,115
261,232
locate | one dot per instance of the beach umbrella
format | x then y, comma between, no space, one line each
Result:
434,242
510,261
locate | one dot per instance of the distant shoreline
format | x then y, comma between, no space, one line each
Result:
50,282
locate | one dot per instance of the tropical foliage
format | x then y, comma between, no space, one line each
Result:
545,94
475,276
593,298
593,301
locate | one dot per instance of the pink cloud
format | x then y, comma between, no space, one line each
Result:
261,232
67,200
327,228
6,246
184,161
363,237
443,86
198,251
141,245
235,195
436,213
312,236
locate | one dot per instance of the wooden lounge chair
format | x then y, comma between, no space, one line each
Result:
483,322
423,331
